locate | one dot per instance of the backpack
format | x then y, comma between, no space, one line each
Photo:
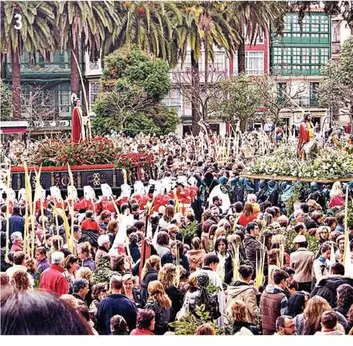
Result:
211,303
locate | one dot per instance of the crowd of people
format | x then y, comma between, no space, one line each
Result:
241,266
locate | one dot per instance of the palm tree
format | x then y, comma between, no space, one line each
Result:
252,17
37,19
149,26
204,24
88,23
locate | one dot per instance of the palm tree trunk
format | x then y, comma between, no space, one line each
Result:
241,57
75,76
16,84
206,75
195,103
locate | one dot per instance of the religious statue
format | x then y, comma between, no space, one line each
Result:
306,134
81,125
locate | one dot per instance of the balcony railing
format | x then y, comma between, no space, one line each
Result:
296,70
185,76
42,68
300,101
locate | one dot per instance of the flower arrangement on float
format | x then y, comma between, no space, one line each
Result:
54,152
330,163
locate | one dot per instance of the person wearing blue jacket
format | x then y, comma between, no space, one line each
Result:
16,222
115,304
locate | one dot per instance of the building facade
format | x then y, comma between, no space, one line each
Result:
296,61
45,91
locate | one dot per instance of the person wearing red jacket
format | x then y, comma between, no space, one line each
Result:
52,279
88,224
146,320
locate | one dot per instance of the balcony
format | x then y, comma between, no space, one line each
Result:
304,101
34,68
296,70
185,76
302,38
41,72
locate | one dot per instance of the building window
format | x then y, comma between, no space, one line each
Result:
281,92
93,92
173,100
314,93
64,99
186,106
254,63
219,61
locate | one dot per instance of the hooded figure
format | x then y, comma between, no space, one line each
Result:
327,287
296,304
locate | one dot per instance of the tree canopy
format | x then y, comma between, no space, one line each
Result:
133,85
336,88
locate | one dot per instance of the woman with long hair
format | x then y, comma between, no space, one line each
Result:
247,215
130,290
273,264
344,299
84,255
336,195
224,267
149,273
99,292
112,230
205,234
160,303
168,277
308,323
71,266
167,217
177,257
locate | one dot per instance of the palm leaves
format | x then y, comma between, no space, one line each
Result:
148,25
37,21
252,17
91,21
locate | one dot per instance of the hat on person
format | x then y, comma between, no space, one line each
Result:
299,239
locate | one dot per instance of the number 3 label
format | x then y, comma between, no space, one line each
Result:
18,25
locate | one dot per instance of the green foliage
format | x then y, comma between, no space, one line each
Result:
336,87
189,323
6,102
289,234
212,289
133,86
237,99
103,273
350,214
136,68
189,231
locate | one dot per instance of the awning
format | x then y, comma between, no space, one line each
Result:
10,130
